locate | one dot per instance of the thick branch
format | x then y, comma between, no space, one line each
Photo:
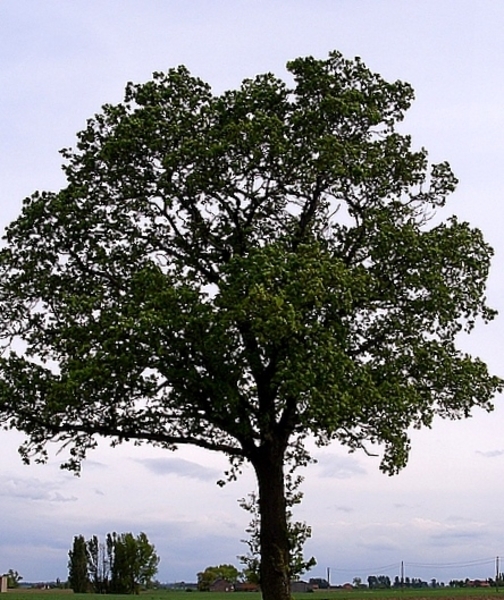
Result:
124,435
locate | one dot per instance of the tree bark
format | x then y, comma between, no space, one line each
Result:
274,572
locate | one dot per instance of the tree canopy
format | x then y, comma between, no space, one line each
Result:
241,271
211,574
119,566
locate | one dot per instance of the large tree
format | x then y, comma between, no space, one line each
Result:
241,271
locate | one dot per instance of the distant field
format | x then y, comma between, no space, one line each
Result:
422,594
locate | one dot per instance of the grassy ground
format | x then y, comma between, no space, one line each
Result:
421,594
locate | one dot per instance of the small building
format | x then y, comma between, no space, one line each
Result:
484,583
221,585
300,586
318,583
3,583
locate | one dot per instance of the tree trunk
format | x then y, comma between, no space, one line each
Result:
274,573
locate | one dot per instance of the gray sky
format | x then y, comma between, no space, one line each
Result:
59,62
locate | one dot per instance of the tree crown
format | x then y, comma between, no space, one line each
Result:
238,271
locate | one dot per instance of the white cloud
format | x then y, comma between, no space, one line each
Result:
338,467
179,467
345,509
380,544
490,453
33,489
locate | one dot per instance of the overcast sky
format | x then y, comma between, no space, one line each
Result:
60,60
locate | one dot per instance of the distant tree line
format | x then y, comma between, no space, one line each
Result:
380,582
120,565
413,582
384,582
489,582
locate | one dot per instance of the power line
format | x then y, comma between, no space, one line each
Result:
366,570
472,563
401,565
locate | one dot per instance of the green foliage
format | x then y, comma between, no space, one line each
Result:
238,272
380,582
227,572
121,565
78,566
13,579
133,562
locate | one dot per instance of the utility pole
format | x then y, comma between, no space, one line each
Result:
497,568
402,573
329,576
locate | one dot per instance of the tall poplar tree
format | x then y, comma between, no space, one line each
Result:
78,566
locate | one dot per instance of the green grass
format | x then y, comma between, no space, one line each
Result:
429,594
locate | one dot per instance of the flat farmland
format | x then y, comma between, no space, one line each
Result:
422,594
